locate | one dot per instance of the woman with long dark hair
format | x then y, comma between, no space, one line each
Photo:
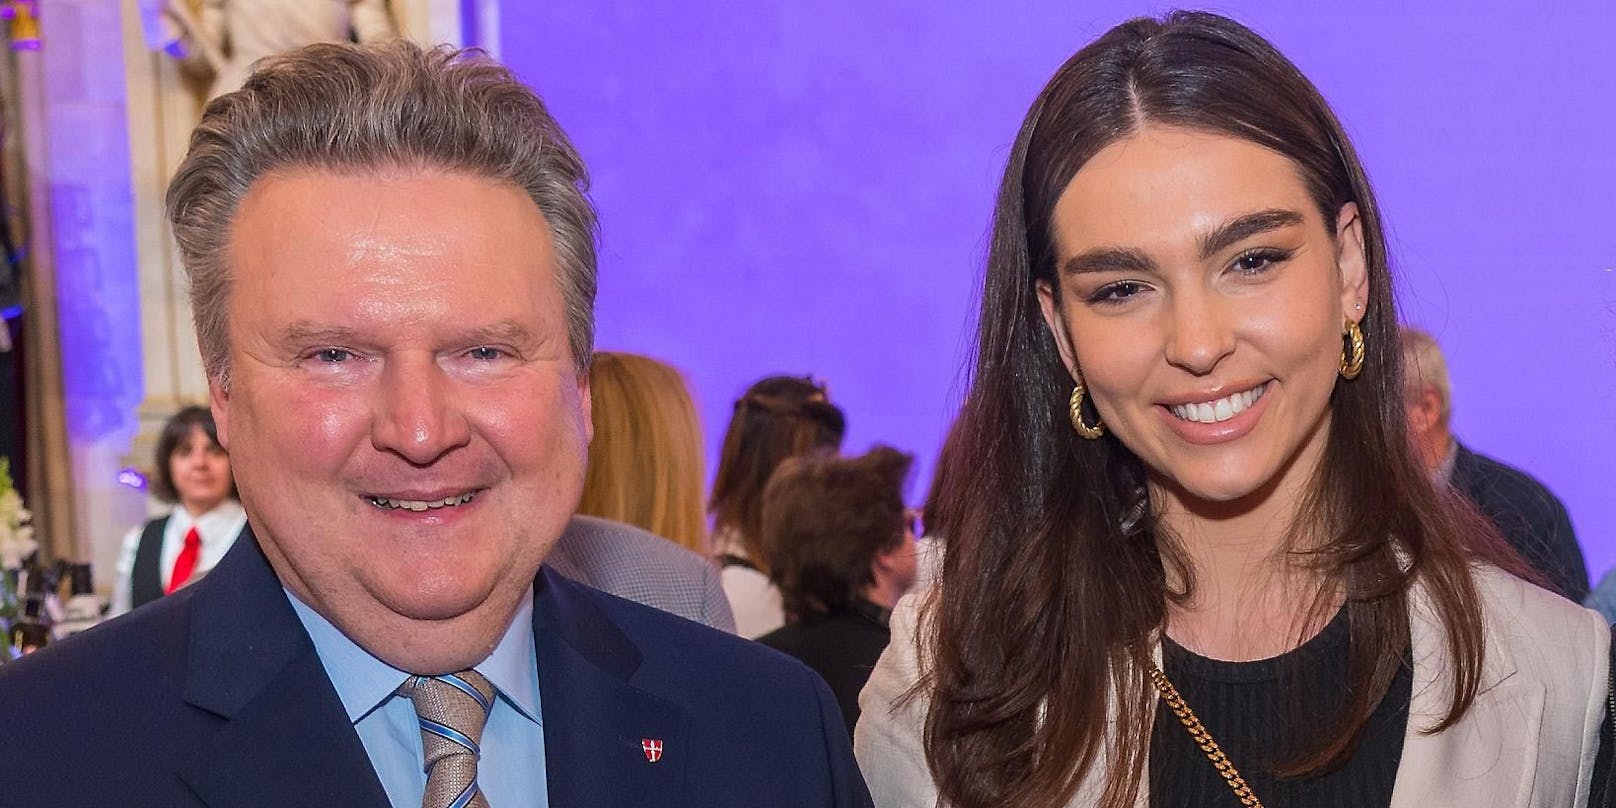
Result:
776,418
1191,558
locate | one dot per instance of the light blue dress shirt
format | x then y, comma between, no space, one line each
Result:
511,771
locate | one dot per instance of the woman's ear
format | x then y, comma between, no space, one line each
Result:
1353,261
1057,327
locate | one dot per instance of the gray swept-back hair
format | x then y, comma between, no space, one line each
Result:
1424,364
344,108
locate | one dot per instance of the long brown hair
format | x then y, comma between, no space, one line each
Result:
645,459
1053,586
778,417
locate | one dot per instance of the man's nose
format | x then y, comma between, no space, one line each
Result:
1199,333
418,413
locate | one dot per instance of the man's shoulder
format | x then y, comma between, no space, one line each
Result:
632,563
594,543
711,678
753,726
98,693
671,643
149,638
1489,481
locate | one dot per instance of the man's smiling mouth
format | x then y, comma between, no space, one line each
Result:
421,505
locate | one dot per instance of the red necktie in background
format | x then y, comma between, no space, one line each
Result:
186,563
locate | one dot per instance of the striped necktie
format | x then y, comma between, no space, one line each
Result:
451,710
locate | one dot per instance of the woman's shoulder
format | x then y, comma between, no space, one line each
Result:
1518,611
1541,637
889,739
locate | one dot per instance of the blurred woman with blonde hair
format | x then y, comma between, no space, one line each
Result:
645,460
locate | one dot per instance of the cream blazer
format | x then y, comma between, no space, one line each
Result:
1528,741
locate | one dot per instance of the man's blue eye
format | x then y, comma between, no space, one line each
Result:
334,355
484,353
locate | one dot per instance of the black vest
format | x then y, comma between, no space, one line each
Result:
146,579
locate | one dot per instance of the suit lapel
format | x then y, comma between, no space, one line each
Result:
1490,756
598,726
285,737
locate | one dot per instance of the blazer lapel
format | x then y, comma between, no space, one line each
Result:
285,737
606,742
1490,756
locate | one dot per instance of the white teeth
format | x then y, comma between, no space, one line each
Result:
1211,412
419,506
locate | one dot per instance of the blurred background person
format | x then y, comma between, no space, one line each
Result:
1529,516
638,565
192,473
645,461
842,549
640,532
777,418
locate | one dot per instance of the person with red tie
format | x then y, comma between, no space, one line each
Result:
192,473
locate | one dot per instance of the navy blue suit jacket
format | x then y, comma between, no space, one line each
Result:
1530,517
215,697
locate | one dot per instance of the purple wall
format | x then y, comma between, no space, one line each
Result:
805,187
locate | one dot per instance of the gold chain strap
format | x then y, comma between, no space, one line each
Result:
1202,738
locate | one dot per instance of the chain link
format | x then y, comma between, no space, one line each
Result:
1202,738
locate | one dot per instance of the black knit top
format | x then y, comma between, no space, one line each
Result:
1260,711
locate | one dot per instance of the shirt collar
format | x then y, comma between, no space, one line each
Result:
364,682
223,522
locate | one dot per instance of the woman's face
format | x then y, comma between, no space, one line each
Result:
200,470
1202,297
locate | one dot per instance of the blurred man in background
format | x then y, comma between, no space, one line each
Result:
1532,519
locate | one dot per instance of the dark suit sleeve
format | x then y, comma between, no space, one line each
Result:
847,783
1570,570
1529,516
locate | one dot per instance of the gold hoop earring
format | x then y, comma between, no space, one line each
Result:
1088,432
1352,363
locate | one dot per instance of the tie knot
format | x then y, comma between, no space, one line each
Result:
192,537
454,705
451,710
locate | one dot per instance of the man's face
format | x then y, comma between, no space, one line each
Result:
407,426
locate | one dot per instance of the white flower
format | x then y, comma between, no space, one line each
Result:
16,535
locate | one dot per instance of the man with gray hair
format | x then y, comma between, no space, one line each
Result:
392,265
1532,519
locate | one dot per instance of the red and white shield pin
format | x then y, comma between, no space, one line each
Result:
653,749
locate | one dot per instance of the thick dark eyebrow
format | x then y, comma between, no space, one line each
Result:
1237,230
1109,259
1234,231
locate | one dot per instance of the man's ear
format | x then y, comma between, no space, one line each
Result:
218,401
586,401
1353,261
1424,408
1057,328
